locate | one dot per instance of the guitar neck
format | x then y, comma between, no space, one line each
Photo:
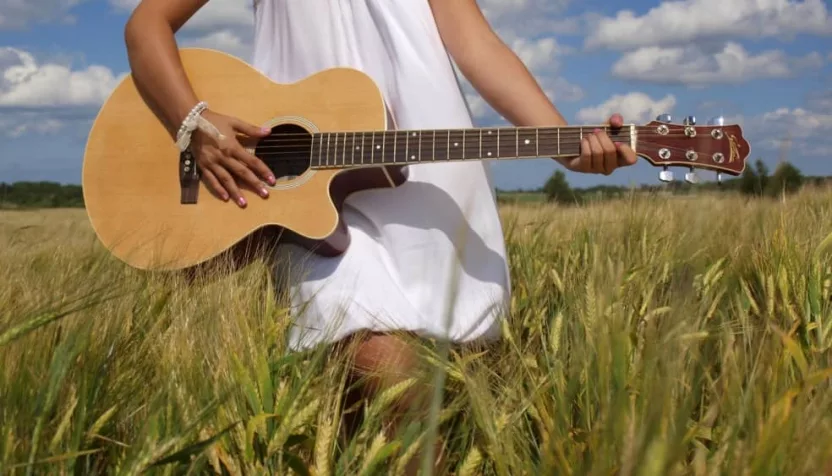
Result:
401,147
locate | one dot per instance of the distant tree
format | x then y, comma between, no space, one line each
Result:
786,179
762,176
748,181
557,189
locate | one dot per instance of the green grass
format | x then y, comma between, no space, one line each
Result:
646,336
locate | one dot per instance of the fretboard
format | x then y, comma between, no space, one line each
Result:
346,149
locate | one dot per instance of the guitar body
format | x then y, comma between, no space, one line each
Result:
131,172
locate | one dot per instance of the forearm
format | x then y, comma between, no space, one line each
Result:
506,84
157,71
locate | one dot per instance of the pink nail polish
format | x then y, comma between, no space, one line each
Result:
597,131
265,130
271,179
264,193
242,201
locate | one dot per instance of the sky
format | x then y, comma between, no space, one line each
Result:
763,64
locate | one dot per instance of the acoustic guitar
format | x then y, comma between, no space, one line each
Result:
329,138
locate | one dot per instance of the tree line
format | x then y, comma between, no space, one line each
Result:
754,181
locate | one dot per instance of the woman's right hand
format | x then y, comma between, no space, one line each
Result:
225,164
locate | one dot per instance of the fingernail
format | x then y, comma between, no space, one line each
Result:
264,193
271,179
241,201
597,131
265,130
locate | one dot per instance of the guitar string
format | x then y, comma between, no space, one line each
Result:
326,161
550,141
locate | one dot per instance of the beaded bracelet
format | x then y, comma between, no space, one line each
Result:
193,121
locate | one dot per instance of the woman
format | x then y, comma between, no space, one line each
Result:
429,255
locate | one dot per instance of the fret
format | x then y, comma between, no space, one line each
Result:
373,148
472,144
425,146
320,150
489,144
335,151
419,140
441,146
344,153
456,140
363,150
527,143
549,142
353,149
507,143
400,146
388,146
498,143
328,144
312,142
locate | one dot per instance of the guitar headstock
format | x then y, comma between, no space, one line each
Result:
716,146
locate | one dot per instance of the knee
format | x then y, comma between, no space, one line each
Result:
382,360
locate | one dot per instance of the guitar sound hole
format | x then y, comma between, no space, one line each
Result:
286,151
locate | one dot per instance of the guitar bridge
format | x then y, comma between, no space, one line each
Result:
188,178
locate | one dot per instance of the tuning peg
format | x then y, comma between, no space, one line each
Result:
717,121
691,177
690,121
664,118
666,175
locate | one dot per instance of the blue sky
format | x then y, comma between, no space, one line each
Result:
764,65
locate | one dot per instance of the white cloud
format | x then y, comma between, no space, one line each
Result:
634,107
17,14
808,130
682,22
44,97
691,65
26,83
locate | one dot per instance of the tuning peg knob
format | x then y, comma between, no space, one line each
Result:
690,121
691,177
717,121
666,175
664,118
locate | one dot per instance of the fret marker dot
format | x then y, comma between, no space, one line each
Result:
412,157
414,134
378,147
489,154
489,132
456,144
528,142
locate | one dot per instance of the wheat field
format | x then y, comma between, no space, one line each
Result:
647,336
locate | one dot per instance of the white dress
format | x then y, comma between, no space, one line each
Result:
429,256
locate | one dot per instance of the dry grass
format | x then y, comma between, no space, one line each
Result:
647,336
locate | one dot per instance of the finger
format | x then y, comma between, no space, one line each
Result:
214,185
616,121
249,129
583,162
229,184
255,164
610,158
597,154
246,175
626,155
